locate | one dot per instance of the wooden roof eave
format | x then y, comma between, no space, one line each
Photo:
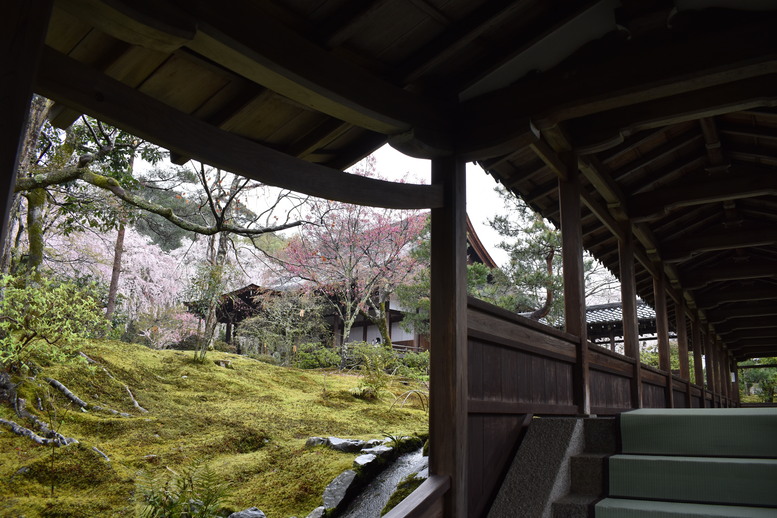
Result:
78,86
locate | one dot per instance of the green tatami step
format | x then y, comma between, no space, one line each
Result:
621,508
718,432
695,479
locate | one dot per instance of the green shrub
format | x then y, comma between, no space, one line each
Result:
316,356
196,492
414,365
374,362
42,319
266,358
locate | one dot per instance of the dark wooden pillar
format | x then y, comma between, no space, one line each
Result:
22,31
698,366
735,369
725,375
662,334
630,318
708,365
682,347
574,289
682,339
448,320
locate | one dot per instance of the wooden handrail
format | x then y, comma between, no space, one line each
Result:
421,501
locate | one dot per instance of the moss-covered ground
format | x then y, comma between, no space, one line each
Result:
248,423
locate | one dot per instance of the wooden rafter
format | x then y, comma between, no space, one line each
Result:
78,86
751,181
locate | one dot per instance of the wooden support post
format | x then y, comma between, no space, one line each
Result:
448,320
22,31
682,339
630,318
708,363
698,366
662,334
682,347
735,369
725,377
574,289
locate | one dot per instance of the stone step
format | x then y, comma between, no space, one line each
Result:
694,479
601,435
589,474
574,506
624,508
719,432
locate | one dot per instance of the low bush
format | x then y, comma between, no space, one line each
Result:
41,319
316,356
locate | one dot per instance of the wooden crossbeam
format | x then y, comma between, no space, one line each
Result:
604,128
741,311
750,182
656,68
240,37
734,271
720,239
737,294
85,89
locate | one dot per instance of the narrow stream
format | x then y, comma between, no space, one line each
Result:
371,501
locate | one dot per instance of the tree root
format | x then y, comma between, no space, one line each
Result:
48,433
80,402
57,440
135,402
107,459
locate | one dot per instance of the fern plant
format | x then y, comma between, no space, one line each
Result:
196,492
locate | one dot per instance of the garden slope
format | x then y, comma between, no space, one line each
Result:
248,422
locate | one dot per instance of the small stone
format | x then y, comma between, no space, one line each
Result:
312,442
336,490
363,460
346,445
251,512
318,512
380,451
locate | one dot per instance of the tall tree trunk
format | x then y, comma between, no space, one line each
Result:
36,203
39,108
114,287
380,320
545,309
214,294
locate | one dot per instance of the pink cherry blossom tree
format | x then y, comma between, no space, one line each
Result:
356,256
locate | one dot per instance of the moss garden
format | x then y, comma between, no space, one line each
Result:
242,422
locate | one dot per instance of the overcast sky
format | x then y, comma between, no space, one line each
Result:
482,201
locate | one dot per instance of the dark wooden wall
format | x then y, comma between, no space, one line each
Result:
518,368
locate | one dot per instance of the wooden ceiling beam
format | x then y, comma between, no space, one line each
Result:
751,182
545,25
240,38
756,132
741,311
153,25
456,37
69,82
717,239
675,145
745,323
733,271
608,128
737,294
641,70
349,21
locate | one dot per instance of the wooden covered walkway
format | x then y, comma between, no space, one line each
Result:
645,129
